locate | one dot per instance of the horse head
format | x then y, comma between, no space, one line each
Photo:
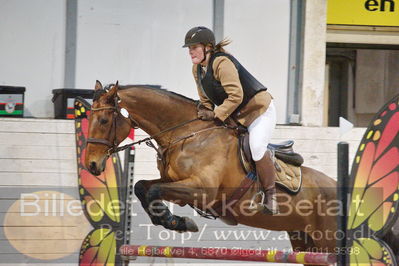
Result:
109,125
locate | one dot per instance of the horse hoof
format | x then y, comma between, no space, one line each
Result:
190,225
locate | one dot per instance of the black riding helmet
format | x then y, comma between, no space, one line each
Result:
199,34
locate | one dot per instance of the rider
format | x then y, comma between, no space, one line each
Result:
223,82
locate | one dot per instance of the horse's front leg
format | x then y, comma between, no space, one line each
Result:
140,189
182,192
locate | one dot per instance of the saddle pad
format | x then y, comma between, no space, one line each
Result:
288,176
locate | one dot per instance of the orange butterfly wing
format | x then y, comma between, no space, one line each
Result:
375,189
101,198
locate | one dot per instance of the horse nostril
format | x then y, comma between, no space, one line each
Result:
93,166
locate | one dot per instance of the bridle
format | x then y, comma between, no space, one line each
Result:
113,146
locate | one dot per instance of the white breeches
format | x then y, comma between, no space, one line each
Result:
260,132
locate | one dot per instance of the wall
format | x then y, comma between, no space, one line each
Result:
260,34
135,42
38,176
137,46
138,42
32,46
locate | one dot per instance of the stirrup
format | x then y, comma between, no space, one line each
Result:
253,204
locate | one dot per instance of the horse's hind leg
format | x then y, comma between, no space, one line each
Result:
181,192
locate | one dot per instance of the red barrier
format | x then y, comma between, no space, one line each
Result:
228,254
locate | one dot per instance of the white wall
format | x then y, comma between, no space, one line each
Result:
135,42
138,42
260,32
32,46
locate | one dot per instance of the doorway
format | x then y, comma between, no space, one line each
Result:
359,81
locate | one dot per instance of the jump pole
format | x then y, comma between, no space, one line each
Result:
129,252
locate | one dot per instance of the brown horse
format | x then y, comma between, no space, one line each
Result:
199,165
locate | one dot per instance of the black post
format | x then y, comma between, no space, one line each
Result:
342,195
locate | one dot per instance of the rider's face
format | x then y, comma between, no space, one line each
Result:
196,53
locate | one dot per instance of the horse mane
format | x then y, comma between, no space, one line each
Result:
159,89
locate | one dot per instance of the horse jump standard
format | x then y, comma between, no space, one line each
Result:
129,251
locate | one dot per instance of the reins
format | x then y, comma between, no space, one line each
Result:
148,139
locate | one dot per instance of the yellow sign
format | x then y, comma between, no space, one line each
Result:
363,12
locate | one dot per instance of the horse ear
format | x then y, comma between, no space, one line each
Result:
116,86
98,86
112,92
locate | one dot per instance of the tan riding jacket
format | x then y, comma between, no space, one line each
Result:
225,71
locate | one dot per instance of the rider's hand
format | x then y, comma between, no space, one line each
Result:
230,122
206,114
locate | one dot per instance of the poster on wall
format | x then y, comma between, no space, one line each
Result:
363,12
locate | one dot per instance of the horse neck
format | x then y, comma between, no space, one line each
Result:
156,111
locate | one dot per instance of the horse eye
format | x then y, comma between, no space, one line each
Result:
103,121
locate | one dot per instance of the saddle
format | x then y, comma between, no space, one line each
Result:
286,162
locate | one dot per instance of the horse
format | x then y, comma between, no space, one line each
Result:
199,165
